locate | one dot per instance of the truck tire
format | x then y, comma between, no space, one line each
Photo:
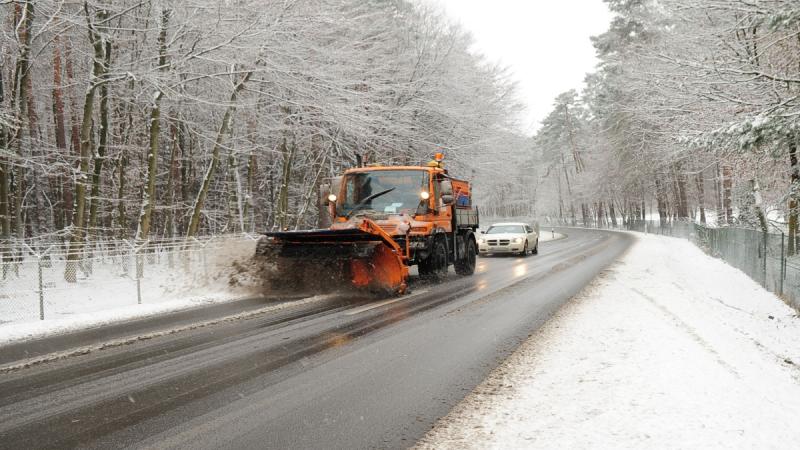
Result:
434,267
466,265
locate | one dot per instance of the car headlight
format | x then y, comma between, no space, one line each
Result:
517,240
481,241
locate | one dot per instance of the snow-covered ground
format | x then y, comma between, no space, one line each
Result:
173,282
669,348
549,235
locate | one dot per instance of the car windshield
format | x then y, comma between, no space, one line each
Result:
498,229
404,197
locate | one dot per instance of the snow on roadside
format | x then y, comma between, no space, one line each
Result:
109,298
31,330
545,236
669,348
117,342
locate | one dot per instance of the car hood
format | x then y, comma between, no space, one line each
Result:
503,236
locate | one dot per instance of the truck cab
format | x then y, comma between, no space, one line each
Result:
428,213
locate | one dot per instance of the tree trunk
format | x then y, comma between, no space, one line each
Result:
600,214
584,214
660,202
122,165
5,176
701,196
288,153
569,190
681,200
194,221
122,220
249,203
313,189
78,223
58,96
20,105
235,213
762,220
793,194
186,163
727,187
149,193
100,154
169,223
60,134
612,213
560,200
75,140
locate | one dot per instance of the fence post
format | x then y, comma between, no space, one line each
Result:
783,263
40,275
136,258
138,278
41,287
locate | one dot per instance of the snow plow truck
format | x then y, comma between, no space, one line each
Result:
380,220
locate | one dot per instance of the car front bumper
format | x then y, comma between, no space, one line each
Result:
511,248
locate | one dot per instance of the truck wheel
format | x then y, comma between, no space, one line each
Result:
434,267
466,265
536,248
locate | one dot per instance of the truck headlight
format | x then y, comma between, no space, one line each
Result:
518,240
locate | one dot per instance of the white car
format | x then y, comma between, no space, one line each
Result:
511,237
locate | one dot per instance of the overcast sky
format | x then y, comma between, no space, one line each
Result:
545,42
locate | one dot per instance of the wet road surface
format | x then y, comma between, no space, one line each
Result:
339,372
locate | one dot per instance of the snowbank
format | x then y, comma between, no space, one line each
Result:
170,284
549,235
669,348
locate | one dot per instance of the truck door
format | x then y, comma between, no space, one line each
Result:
444,216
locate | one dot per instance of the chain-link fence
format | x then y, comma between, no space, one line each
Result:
762,256
41,280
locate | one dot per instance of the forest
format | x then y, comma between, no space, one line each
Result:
691,115
160,119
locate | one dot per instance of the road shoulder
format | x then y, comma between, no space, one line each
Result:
79,341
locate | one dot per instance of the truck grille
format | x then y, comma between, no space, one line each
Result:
388,228
498,242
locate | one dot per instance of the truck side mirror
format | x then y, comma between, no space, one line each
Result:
448,199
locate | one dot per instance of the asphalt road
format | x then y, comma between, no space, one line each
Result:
334,373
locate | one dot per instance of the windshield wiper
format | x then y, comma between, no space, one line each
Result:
363,203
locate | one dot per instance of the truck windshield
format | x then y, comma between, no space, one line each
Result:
404,198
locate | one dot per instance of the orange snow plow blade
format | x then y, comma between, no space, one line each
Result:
364,258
